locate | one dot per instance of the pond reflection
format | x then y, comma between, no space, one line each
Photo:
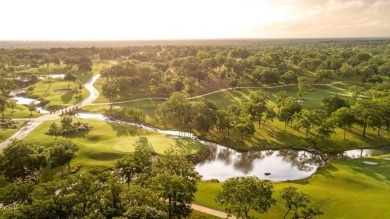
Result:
223,163
358,153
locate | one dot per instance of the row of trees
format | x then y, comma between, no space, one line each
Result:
371,111
139,187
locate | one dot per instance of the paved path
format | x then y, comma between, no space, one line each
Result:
213,92
211,211
34,122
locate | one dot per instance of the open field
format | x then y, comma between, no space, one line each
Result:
107,142
344,189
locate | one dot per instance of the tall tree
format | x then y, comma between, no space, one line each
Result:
303,87
136,163
343,118
298,202
61,153
175,181
22,160
240,195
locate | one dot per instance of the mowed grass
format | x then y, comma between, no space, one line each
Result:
6,133
20,111
344,189
107,142
57,91
271,135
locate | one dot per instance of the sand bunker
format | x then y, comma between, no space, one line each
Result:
387,158
370,163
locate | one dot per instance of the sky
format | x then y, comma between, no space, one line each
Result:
191,19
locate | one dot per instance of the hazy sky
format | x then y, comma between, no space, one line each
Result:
191,19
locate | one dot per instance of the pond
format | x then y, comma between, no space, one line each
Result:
223,163
359,153
52,76
25,101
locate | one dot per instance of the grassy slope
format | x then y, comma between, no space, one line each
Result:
345,189
6,133
20,112
273,134
56,92
107,142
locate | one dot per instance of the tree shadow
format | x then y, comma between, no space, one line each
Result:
184,144
67,97
377,172
124,130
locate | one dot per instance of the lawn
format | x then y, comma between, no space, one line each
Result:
57,92
107,142
344,189
272,135
6,133
20,111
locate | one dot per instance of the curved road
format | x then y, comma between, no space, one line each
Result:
33,123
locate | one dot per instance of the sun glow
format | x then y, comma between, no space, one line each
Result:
190,19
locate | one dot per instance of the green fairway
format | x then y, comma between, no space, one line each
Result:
107,142
20,111
345,189
272,134
57,91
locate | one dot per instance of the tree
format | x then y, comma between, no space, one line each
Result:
303,87
364,112
298,203
61,153
179,106
223,120
6,86
11,104
136,163
334,103
244,126
307,119
3,105
134,115
32,107
343,118
111,91
174,179
280,98
240,195
140,202
289,109
355,92
22,160
204,114
325,128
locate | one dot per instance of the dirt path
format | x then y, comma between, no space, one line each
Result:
211,211
34,122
